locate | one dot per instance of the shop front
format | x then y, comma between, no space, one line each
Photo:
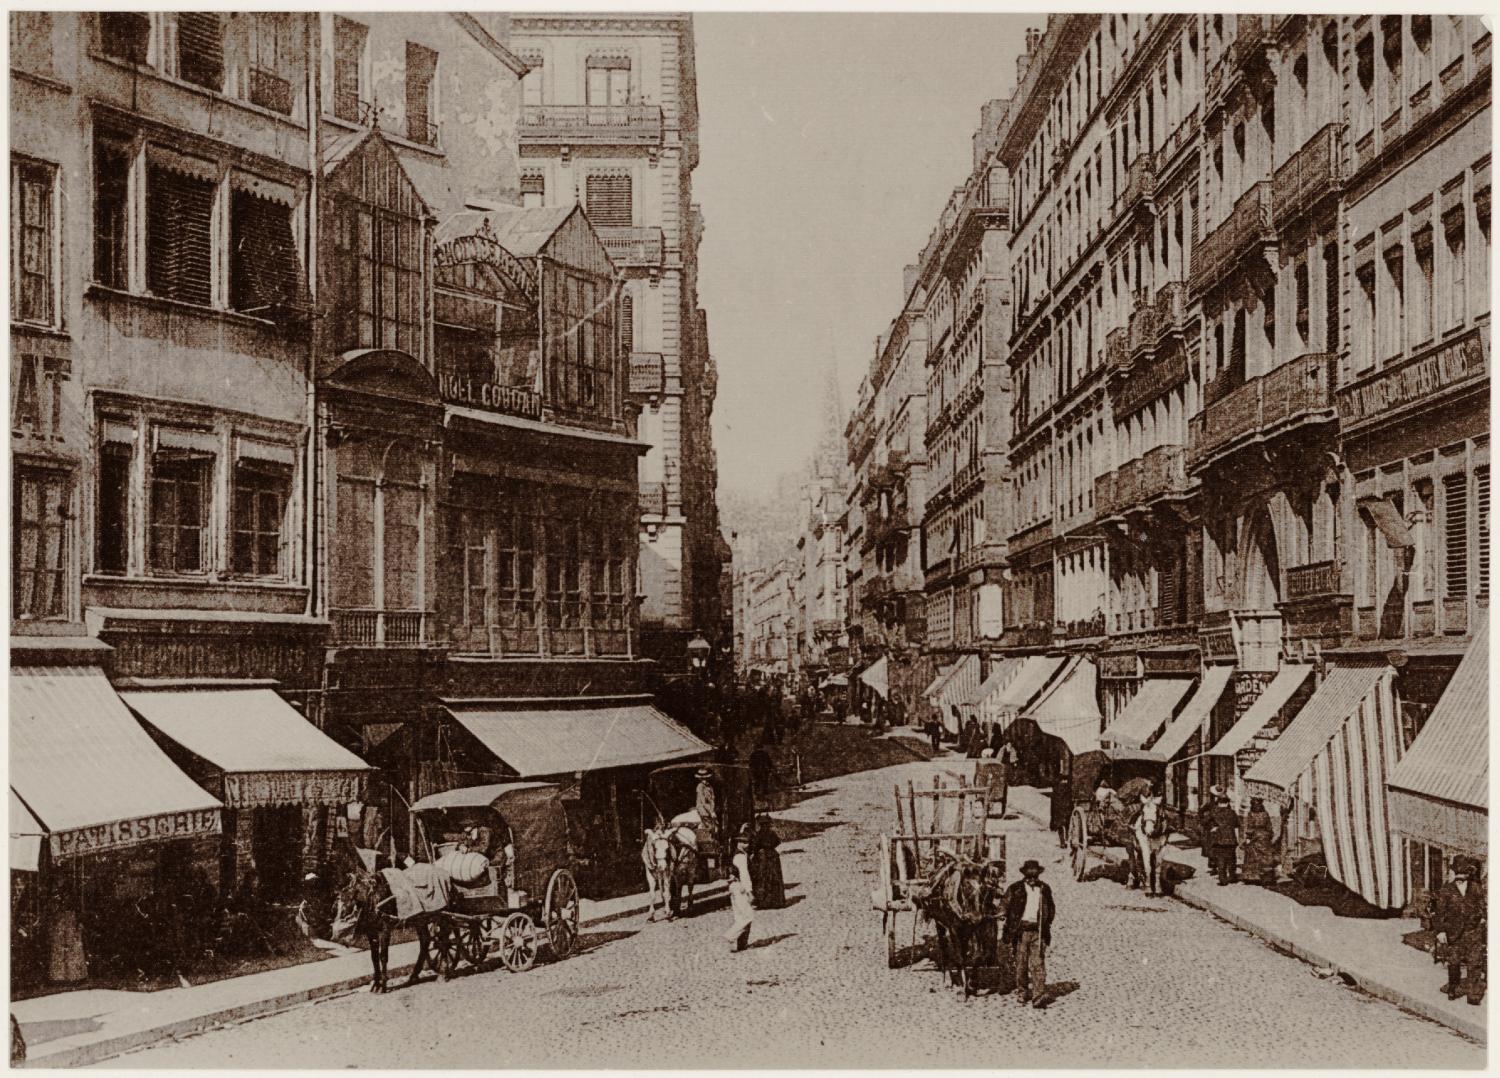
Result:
127,875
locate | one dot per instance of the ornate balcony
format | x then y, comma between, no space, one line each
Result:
1182,135
1117,350
1293,394
633,246
591,125
1245,55
1138,482
1170,307
1316,606
968,479
1314,173
1142,328
648,374
270,91
368,627
1247,230
1310,581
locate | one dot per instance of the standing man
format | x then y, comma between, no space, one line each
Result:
1028,932
1221,836
1461,929
741,892
707,805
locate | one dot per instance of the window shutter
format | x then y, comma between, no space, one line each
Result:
533,183
1482,512
200,48
608,201
1456,533
179,236
627,324
264,270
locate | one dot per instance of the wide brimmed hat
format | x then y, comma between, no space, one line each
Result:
1465,866
1217,792
1031,865
703,773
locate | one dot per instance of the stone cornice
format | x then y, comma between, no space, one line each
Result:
593,23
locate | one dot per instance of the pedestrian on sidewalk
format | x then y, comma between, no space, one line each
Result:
1462,927
934,733
1260,845
1029,911
973,740
767,884
741,892
1221,838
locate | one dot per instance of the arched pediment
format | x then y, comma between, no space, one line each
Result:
385,372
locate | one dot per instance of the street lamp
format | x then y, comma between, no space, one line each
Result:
698,649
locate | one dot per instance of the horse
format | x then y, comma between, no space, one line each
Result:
1148,834
671,863
961,899
366,907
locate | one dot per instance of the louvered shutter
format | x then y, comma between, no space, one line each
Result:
200,48
1482,512
627,324
264,270
179,231
1456,533
608,198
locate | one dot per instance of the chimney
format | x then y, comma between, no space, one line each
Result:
908,280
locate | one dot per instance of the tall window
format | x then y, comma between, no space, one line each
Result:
1393,301
1331,297
1304,301
381,509
1421,301
608,80
179,232
112,526
270,86
348,55
421,68
1364,317
200,48
262,488
33,268
111,212
1456,303
40,500
582,350
378,255
627,323
181,485
1390,47
264,270
1456,535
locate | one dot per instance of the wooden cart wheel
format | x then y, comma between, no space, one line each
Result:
1078,843
560,913
446,947
518,945
475,945
889,918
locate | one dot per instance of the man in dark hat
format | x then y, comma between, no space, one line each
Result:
1028,932
1461,929
1221,836
707,805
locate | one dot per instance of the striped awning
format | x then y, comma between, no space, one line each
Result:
958,691
1000,676
937,681
1265,708
1069,708
1335,757
1004,706
1148,711
1191,719
1440,789
89,773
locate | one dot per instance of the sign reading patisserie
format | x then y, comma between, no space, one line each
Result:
1420,379
108,836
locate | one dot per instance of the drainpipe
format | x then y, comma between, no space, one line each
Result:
312,484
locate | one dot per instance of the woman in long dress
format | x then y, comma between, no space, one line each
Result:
766,882
740,897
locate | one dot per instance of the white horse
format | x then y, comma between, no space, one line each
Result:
670,855
1149,832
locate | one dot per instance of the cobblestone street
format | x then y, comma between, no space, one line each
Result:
1141,981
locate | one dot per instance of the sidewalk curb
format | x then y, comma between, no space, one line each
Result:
1371,986
84,1055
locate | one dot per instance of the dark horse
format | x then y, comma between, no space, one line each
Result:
962,899
365,907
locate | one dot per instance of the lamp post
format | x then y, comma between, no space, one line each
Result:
698,650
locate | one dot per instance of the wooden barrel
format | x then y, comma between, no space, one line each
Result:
467,869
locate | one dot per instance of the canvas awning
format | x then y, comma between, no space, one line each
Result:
1069,708
1000,676
1440,789
563,741
944,672
268,753
1383,512
835,681
1192,717
878,676
1335,756
26,836
89,773
1148,711
1036,671
958,691
1265,708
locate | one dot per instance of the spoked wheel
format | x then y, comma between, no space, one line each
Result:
447,947
475,943
1078,843
889,917
518,943
560,913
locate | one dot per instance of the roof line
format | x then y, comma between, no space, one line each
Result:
478,32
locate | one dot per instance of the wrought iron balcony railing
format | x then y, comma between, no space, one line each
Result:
647,374
633,246
600,125
1296,391
1312,580
1248,225
1314,173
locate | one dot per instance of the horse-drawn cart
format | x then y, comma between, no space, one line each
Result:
1130,819
528,895
911,861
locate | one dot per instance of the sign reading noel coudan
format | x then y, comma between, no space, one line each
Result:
1420,379
133,832
509,400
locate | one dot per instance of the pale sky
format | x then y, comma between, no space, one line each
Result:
830,144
